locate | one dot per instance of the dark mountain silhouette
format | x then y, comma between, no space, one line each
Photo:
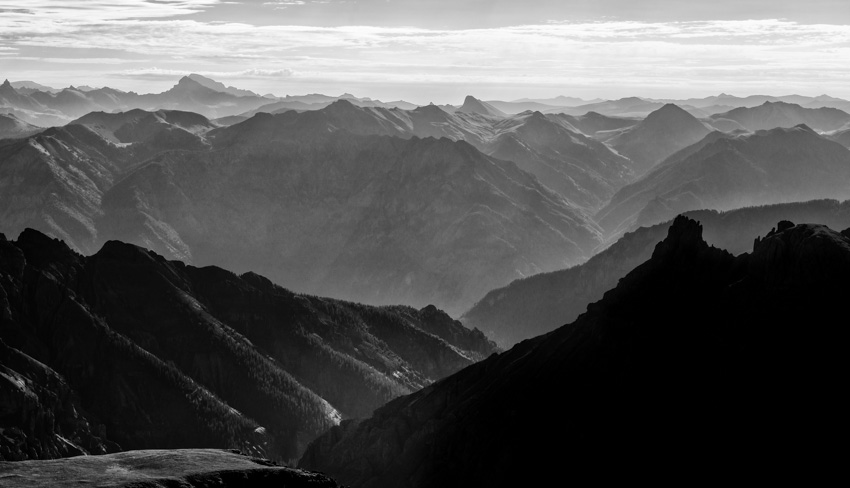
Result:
780,114
538,304
689,365
472,105
11,127
775,166
186,468
124,348
661,134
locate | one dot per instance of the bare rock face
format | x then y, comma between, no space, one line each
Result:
689,364
189,468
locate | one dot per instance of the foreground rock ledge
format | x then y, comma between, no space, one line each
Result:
184,468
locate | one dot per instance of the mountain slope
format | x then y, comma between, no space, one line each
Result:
164,355
582,170
780,114
538,304
776,166
661,134
690,363
375,219
12,127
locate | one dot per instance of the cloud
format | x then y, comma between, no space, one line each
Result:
698,55
102,10
158,73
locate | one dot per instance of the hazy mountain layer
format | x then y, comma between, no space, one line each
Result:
725,172
780,114
11,127
538,304
375,219
124,348
204,97
690,364
653,139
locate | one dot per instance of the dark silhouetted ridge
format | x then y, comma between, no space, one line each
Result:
690,364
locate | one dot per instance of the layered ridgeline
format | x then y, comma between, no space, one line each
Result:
539,304
698,361
725,171
126,350
47,107
55,181
12,127
344,201
662,133
192,93
780,114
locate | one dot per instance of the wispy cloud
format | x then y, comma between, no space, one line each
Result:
91,11
698,56
157,73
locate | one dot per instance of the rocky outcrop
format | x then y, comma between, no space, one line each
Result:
189,468
692,362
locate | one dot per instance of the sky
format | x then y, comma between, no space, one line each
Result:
436,50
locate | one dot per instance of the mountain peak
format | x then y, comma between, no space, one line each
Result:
218,86
683,236
188,81
472,105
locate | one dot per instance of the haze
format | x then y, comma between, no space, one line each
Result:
438,50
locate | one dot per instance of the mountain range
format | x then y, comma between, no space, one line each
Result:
727,171
536,305
126,350
698,360
781,114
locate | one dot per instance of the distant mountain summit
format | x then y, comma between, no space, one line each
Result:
659,135
771,115
472,105
220,87
724,172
